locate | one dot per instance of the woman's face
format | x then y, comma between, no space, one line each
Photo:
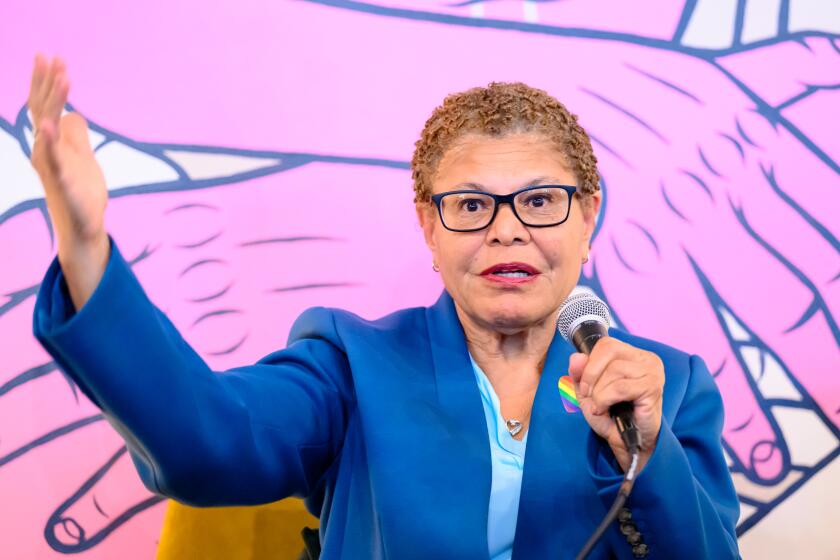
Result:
466,260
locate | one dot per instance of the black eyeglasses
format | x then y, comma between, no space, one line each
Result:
537,206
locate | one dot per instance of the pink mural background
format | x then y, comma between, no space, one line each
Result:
257,158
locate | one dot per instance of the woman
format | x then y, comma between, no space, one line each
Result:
383,425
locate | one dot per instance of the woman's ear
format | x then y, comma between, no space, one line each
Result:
591,206
426,217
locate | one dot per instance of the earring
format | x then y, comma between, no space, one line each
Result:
435,267
586,260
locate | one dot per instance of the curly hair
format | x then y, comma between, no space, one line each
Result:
499,109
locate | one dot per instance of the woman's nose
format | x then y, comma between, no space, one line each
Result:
506,228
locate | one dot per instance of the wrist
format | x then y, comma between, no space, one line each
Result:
82,249
83,264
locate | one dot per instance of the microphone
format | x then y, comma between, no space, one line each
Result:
583,320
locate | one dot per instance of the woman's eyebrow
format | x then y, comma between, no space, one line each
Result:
531,183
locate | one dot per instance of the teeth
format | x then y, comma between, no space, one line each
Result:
512,274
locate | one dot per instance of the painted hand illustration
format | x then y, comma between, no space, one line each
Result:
727,253
232,271
702,155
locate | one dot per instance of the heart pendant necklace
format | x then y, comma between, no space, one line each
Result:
514,426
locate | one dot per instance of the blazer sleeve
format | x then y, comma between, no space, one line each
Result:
683,499
250,435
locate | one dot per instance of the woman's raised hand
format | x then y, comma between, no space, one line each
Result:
74,185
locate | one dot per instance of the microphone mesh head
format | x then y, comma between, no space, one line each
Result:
578,308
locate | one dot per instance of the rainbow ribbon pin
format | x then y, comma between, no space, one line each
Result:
567,394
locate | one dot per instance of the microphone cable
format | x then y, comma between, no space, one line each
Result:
623,493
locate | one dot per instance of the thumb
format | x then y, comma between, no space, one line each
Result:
577,362
43,151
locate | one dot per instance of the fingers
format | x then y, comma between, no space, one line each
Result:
33,484
615,372
110,497
48,92
616,390
606,351
789,313
43,86
760,214
637,299
57,94
27,353
30,261
38,409
577,363
783,155
47,97
47,84
37,402
45,157
35,399
39,73
220,257
621,380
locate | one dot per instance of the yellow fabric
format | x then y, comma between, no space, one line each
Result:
234,533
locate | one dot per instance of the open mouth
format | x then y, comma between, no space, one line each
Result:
511,271
513,274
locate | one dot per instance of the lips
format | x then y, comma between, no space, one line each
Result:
511,268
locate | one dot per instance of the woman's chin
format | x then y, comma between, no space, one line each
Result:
507,312
511,316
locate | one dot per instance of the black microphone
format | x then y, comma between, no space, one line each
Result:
583,320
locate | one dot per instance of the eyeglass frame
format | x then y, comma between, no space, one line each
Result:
499,199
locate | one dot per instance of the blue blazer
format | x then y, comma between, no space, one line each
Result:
380,425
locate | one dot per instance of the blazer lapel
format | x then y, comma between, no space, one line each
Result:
552,506
466,462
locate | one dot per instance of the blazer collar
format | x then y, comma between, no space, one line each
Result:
538,524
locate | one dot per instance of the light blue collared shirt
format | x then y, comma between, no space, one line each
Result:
508,459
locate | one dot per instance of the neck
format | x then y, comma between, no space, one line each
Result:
508,354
